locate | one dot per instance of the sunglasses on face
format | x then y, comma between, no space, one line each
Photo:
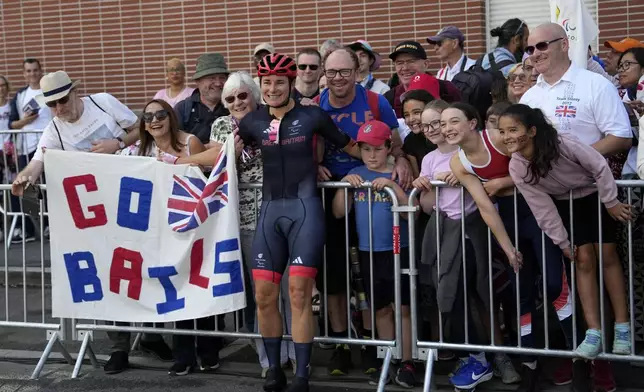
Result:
541,46
313,67
231,98
61,101
149,116
517,77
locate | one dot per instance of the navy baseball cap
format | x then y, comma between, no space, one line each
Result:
449,32
411,47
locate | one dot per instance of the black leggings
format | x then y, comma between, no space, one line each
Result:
530,245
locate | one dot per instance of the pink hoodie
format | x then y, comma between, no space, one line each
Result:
578,168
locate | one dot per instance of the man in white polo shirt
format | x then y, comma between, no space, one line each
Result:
588,106
575,100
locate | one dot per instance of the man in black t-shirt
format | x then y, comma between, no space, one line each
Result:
309,70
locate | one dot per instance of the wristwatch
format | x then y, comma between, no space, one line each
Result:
121,143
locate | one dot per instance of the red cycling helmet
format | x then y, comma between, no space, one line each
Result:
277,64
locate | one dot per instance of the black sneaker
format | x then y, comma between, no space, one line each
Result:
340,361
406,375
209,364
299,384
369,359
118,362
180,369
581,380
275,380
158,349
529,379
374,378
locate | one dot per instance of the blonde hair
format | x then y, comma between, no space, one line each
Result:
438,104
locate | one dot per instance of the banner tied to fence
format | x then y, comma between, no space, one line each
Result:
134,239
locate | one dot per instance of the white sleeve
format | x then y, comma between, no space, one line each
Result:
119,112
609,111
49,140
527,98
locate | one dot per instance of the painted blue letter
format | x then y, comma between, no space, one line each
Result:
172,303
232,268
82,278
139,220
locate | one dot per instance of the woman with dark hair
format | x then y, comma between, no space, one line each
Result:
512,41
416,146
548,168
482,166
160,136
631,69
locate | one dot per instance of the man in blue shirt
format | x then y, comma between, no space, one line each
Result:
350,105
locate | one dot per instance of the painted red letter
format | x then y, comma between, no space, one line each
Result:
82,222
118,272
196,261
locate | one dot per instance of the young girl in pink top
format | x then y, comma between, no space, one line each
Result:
547,168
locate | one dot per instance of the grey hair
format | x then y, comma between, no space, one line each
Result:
237,80
328,46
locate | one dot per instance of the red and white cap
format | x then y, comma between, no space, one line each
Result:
374,132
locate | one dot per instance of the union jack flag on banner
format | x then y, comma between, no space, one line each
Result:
566,111
193,200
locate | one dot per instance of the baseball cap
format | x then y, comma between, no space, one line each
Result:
623,45
423,82
448,32
374,132
411,47
364,45
264,46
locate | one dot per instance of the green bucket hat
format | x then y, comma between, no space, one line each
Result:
210,64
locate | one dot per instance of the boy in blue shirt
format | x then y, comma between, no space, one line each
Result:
374,139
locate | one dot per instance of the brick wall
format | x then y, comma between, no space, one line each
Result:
619,19
121,46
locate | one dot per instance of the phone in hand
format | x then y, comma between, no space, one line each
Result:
31,197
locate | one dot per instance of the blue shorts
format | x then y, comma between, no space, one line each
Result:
289,231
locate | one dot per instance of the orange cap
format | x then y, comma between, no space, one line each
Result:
623,45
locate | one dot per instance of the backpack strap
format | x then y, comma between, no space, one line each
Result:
97,105
58,133
370,83
373,102
463,63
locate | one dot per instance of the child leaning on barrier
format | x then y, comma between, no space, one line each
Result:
447,255
548,169
374,139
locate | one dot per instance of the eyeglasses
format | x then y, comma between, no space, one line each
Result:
626,65
435,125
176,69
401,63
541,46
517,77
160,115
330,73
62,101
231,98
313,67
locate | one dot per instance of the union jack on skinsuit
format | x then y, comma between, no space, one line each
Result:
193,200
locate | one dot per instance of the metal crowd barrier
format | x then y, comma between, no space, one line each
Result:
428,350
58,332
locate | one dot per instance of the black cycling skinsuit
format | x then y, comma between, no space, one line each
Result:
291,222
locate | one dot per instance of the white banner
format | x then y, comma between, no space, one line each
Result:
580,27
134,239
